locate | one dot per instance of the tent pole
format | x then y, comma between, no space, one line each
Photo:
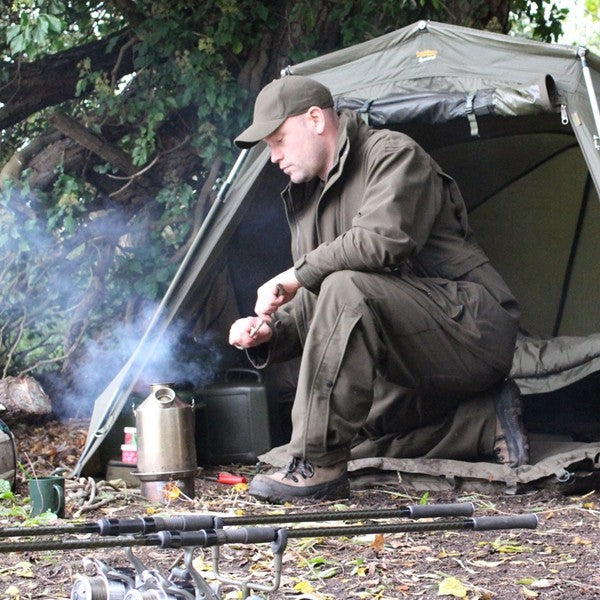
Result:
591,93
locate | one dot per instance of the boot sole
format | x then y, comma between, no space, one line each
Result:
509,413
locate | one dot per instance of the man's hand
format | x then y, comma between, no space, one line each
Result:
252,331
275,293
245,334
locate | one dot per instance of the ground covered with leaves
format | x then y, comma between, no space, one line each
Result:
559,559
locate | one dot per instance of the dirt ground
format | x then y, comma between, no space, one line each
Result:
558,559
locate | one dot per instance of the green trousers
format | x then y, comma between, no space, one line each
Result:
384,368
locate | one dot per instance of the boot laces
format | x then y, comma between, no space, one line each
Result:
300,466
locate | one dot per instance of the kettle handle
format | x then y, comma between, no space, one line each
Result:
251,372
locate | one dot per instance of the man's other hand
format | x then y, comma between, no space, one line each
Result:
249,332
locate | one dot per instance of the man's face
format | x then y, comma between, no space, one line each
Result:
298,150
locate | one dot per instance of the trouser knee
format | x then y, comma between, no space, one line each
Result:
344,286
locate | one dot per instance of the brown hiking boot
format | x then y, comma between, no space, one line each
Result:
302,479
510,446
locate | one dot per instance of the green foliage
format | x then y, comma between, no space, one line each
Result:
69,194
9,505
539,20
356,21
180,61
5,490
38,27
34,34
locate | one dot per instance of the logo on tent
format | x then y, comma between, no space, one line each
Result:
425,55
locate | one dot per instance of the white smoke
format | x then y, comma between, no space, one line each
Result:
172,357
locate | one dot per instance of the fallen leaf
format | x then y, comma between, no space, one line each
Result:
171,491
451,586
328,573
529,593
487,563
543,583
445,554
508,547
378,542
304,587
23,569
581,541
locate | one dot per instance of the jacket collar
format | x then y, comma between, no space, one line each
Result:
347,132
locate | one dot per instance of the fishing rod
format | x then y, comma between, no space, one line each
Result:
204,538
193,522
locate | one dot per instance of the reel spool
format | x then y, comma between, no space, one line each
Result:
102,583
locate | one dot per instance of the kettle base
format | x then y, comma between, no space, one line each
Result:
165,491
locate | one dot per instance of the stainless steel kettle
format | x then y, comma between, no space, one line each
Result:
166,442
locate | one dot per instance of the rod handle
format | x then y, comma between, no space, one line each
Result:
215,537
457,509
182,539
505,522
191,522
249,535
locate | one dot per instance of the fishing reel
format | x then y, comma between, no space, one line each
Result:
154,587
102,582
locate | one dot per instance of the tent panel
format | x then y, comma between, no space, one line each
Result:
482,167
582,307
193,289
402,60
527,231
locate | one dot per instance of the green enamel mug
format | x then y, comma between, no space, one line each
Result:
47,494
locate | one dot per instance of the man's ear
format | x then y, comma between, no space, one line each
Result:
315,119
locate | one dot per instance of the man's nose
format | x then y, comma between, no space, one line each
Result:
275,155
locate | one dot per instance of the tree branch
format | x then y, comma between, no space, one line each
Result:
84,137
53,79
18,161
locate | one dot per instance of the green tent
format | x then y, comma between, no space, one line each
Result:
515,122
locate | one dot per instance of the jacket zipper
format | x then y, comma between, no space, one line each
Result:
291,214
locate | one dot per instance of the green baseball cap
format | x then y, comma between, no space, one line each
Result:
286,97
